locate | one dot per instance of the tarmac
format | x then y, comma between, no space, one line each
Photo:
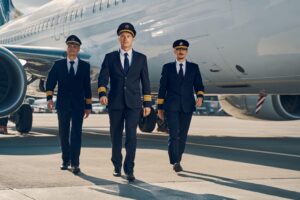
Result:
225,158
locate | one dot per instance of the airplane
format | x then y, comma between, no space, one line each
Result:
245,49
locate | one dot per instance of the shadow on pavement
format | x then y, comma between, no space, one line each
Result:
276,152
253,187
142,190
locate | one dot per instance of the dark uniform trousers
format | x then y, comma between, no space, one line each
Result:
178,124
176,98
124,103
73,97
70,147
119,118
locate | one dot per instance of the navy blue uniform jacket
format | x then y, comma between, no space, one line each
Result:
72,94
176,96
125,90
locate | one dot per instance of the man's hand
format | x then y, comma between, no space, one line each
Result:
199,101
50,104
160,114
147,111
103,100
87,112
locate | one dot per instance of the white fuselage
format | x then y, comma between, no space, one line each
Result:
259,36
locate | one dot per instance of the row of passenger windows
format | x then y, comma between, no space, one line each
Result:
74,15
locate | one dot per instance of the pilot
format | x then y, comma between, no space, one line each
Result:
126,69
73,101
176,101
3,125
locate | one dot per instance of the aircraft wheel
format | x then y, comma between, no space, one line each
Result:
23,118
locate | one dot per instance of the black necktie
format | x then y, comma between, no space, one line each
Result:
180,74
126,63
72,71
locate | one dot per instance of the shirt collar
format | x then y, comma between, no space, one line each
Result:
177,62
75,61
129,52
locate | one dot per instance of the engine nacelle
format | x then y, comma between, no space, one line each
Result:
275,107
12,82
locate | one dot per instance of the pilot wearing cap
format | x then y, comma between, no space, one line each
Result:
127,72
74,103
180,80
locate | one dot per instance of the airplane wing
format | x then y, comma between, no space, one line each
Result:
38,60
24,65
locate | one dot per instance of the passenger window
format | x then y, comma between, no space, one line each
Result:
46,25
66,17
72,15
57,19
82,13
52,21
41,27
95,6
77,14
101,5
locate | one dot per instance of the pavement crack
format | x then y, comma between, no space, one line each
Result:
23,194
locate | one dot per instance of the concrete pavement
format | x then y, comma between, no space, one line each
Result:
225,158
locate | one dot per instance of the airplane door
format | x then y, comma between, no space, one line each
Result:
213,67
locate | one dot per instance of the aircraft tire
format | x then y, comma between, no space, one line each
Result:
23,119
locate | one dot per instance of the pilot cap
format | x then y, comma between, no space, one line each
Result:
181,44
73,39
126,27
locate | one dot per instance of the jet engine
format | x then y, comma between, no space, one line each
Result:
275,107
12,82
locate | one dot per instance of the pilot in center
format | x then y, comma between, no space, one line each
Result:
126,69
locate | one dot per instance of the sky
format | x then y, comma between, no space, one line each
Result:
27,6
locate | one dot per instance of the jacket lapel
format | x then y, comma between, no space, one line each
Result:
187,71
78,68
118,61
133,61
65,67
174,70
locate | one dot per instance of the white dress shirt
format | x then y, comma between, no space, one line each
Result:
122,56
75,66
183,66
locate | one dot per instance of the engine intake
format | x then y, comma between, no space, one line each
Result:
12,82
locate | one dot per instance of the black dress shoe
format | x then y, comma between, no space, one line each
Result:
64,166
76,170
130,177
177,167
117,173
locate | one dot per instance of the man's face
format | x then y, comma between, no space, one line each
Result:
73,50
126,40
181,53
